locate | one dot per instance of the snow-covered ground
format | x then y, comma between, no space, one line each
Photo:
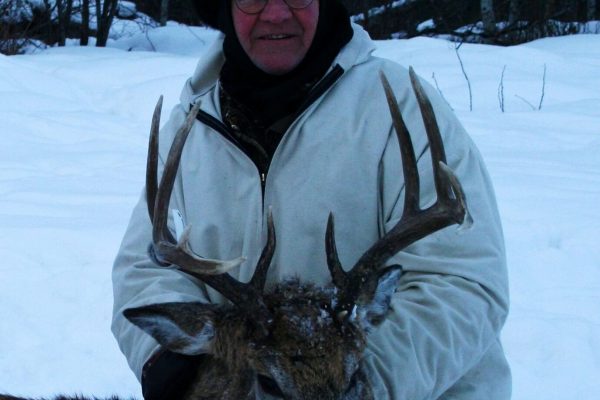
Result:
74,124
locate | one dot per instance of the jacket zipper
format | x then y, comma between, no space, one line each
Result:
263,181
220,127
217,125
321,87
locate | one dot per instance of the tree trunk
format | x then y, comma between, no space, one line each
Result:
61,24
591,10
98,19
67,16
105,16
85,23
164,12
47,18
514,11
487,16
64,9
550,9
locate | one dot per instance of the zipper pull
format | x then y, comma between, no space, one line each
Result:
263,179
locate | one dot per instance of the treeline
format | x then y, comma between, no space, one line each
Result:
51,22
490,21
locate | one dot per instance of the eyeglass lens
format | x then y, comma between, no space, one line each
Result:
256,6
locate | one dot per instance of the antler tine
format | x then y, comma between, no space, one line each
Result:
259,277
448,187
338,275
415,223
166,249
152,161
407,152
436,145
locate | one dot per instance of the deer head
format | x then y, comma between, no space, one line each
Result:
295,341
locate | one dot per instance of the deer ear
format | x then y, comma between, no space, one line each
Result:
185,328
373,312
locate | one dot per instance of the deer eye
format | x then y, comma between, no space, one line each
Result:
269,386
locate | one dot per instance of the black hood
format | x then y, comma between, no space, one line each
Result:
208,11
211,11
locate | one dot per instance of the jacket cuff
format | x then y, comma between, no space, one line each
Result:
168,375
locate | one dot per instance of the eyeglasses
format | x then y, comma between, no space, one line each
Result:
256,6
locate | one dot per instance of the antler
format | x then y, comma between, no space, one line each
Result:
415,223
166,250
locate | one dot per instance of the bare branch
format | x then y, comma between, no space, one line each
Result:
462,67
501,90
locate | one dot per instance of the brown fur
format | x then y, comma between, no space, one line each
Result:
316,351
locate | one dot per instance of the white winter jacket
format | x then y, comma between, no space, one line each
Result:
341,155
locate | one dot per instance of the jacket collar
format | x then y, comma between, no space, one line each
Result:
207,71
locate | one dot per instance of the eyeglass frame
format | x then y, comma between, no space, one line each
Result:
265,4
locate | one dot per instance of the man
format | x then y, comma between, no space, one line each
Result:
293,116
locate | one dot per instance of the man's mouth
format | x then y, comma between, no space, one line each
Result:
280,36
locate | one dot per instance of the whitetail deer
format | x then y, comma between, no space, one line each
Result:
295,341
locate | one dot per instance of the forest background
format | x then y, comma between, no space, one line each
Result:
26,25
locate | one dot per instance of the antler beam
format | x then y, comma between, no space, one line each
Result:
415,223
167,250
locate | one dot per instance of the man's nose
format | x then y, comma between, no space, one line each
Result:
276,11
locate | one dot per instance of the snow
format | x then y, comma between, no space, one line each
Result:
74,129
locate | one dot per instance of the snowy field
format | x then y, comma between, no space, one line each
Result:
74,124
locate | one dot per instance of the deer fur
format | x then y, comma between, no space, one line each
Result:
317,354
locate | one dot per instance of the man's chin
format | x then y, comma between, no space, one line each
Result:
276,66
277,57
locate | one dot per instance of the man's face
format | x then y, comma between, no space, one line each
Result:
277,38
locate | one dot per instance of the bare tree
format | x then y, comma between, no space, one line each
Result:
105,13
85,22
487,16
591,10
164,12
14,27
514,11
462,68
47,16
64,9
550,9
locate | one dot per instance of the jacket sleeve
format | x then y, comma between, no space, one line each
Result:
453,297
137,280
